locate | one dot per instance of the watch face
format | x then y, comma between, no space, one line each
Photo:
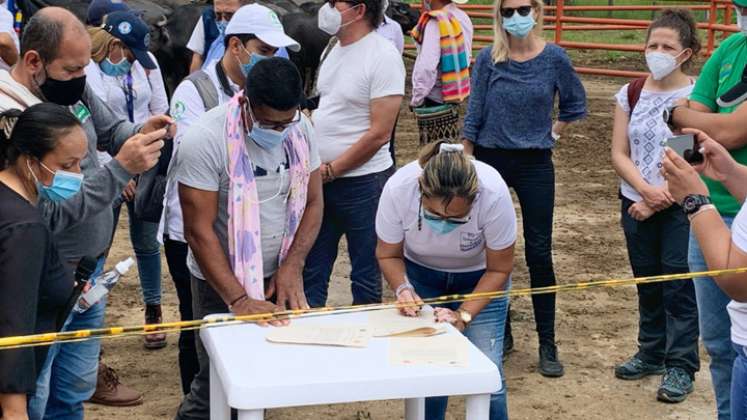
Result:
689,204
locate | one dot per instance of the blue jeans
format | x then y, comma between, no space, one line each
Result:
68,377
485,331
739,384
715,327
350,206
143,236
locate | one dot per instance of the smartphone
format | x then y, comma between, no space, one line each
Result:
685,146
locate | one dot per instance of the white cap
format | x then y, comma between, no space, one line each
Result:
264,24
124,266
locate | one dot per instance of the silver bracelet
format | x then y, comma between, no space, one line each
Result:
402,287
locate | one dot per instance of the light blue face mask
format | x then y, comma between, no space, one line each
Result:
115,69
64,184
441,227
221,25
519,26
267,138
253,59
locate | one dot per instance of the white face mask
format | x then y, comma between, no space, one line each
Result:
661,64
329,19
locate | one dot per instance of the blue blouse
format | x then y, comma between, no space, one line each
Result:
512,102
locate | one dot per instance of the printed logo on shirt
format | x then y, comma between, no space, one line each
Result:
470,241
177,110
81,112
725,72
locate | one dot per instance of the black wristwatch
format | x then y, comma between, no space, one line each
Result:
669,117
693,202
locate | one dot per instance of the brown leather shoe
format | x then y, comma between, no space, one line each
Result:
153,316
112,393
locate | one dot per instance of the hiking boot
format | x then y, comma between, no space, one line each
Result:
508,345
635,368
153,316
112,393
549,365
675,386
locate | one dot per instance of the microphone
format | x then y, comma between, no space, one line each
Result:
83,272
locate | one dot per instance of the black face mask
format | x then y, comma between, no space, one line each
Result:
63,92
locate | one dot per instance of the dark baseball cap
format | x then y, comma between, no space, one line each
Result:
97,9
133,32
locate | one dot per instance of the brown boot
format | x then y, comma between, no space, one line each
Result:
112,393
153,316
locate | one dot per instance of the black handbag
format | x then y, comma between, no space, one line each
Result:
151,188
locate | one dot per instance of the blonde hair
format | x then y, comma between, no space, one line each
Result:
101,42
447,174
500,38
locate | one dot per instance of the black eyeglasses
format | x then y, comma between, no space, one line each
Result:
278,126
353,3
508,12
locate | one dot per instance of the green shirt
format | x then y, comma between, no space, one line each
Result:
720,73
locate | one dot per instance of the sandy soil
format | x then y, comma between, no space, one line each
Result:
596,328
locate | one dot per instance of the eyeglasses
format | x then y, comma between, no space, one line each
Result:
278,126
353,3
508,12
455,220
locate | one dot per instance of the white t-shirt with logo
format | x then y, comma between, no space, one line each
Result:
492,222
738,310
349,79
646,130
186,108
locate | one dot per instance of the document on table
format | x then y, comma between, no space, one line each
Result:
341,335
449,350
389,322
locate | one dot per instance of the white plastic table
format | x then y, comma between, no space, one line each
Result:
250,374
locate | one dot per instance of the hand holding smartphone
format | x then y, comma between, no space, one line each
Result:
686,146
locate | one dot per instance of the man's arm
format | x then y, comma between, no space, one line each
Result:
111,130
425,70
196,63
728,129
383,115
8,50
289,278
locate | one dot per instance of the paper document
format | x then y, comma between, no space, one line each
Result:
389,322
344,336
449,350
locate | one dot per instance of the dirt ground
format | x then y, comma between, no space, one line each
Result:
595,328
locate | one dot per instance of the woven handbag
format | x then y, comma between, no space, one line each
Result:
438,123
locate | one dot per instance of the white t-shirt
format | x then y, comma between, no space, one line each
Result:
6,26
196,42
646,130
203,159
492,222
738,310
148,90
186,108
391,30
349,78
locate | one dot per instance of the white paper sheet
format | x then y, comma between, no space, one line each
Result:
389,322
340,335
443,350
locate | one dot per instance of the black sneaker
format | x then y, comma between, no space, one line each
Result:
675,386
549,365
636,368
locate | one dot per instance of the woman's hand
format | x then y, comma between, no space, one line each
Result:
656,198
717,163
447,315
682,178
412,301
640,211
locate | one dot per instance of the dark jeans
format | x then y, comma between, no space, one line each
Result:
668,323
176,258
349,209
196,404
530,172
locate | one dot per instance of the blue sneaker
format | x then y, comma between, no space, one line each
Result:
675,386
636,368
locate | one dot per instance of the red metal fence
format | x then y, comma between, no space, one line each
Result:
719,14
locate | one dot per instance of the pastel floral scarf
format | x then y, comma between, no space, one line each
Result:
244,238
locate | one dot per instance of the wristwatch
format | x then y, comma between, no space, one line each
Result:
693,202
464,316
668,116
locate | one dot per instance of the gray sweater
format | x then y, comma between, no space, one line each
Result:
83,225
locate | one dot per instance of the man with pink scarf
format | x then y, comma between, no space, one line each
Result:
251,197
